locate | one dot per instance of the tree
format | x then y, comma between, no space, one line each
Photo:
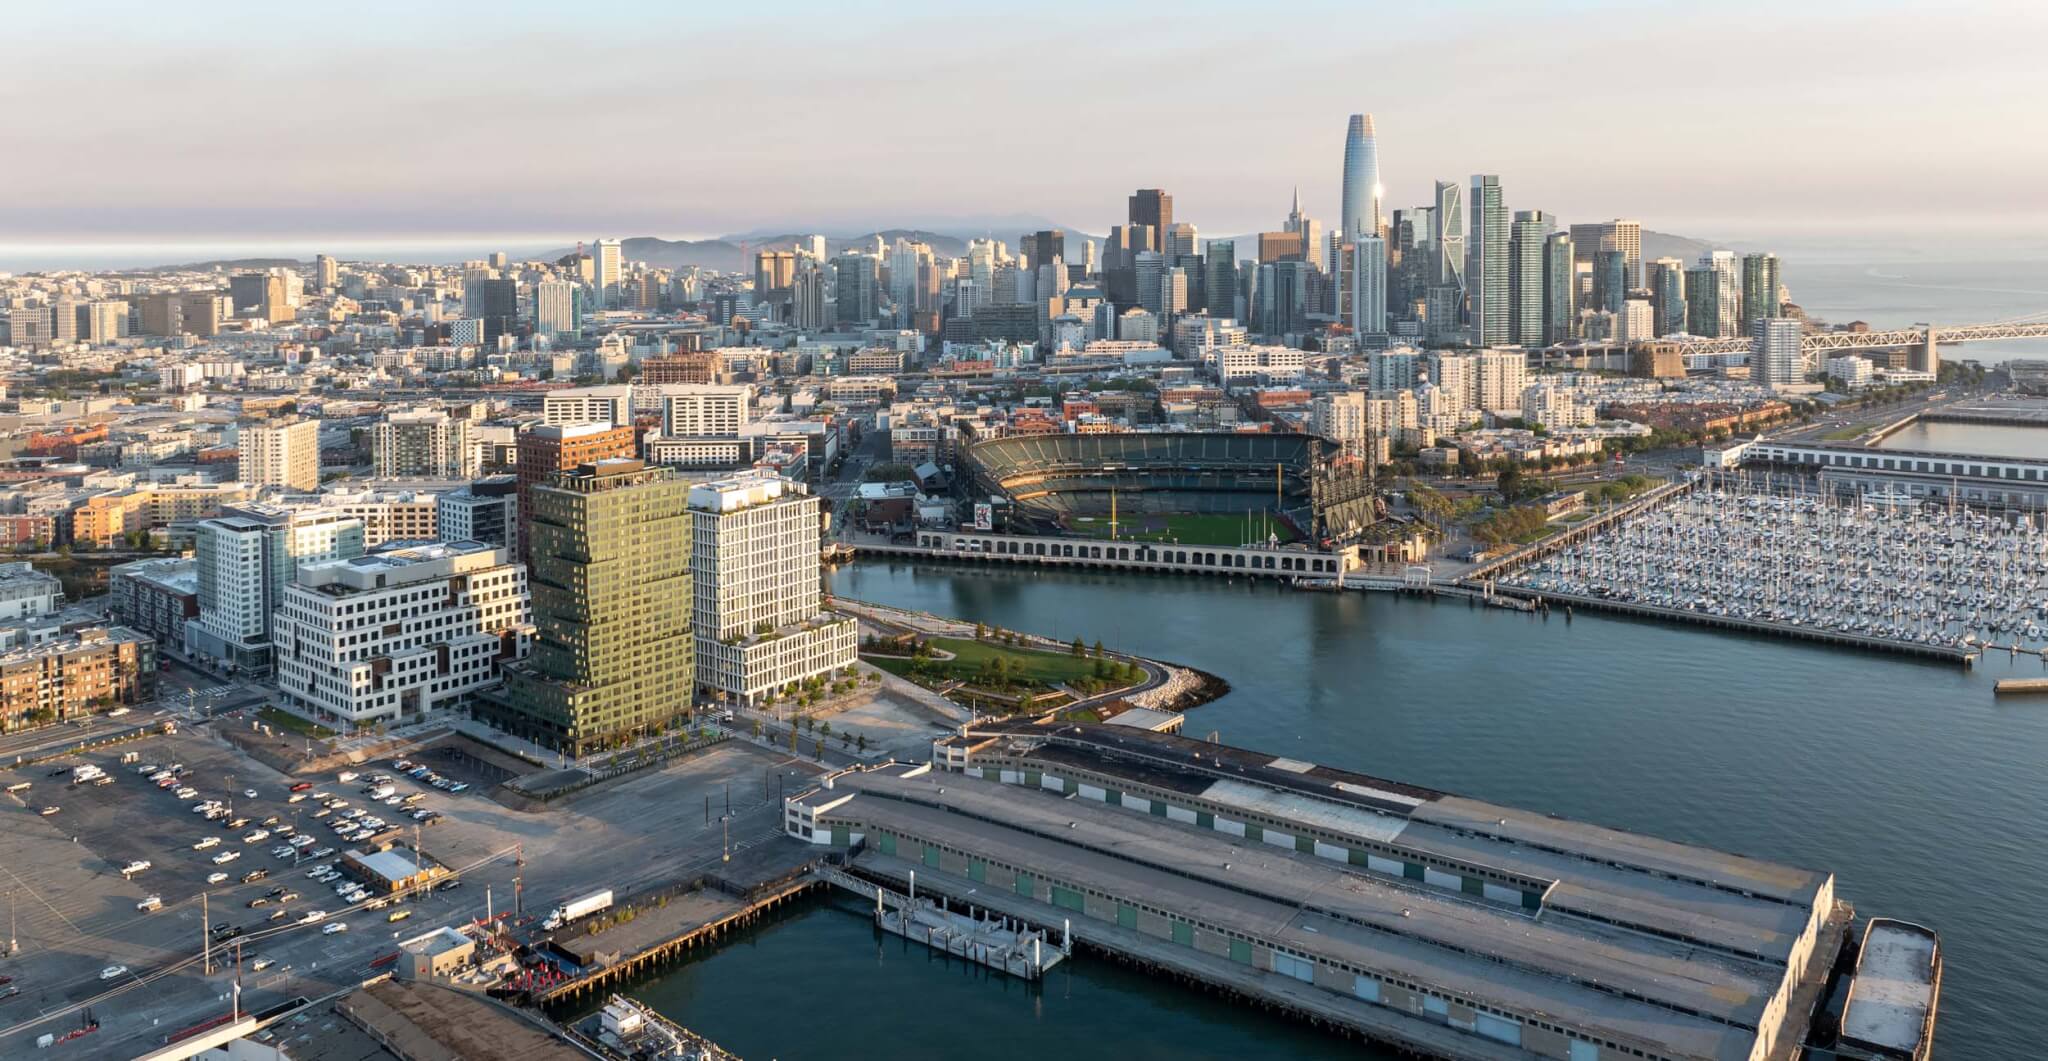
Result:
818,749
1098,648
1077,648
981,631
861,742
757,727
1509,484
792,740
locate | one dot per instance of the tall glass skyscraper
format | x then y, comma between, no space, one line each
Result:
1525,277
1486,272
1362,189
1560,288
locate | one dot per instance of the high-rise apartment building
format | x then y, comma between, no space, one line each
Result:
1775,357
326,274
612,659
558,310
1502,376
1525,277
1560,288
856,278
423,443
1610,280
758,624
1667,295
610,263
1362,189
1369,288
283,454
392,635
1713,295
1486,269
244,558
1759,288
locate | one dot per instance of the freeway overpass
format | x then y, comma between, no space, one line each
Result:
1819,344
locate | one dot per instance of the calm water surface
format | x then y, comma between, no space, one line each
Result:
1907,780
1985,440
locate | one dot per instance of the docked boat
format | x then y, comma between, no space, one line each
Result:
1893,995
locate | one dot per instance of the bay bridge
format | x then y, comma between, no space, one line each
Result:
1923,337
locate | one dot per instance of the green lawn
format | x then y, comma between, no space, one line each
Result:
291,723
1844,434
1045,668
1188,529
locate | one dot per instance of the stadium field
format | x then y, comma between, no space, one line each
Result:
1187,529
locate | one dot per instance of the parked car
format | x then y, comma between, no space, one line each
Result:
248,793
226,857
254,875
206,842
261,964
216,878
151,905
49,810
338,926
113,971
299,787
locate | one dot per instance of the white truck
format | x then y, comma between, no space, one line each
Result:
88,772
382,791
577,908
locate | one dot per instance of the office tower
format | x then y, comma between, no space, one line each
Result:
1716,302
549,450
499,305
103,321
393,635
1589,239
611,661
1148,266
1447,235
1307,229
1219,279
610,403
1043,246
1443,305
807,306
326,273
1759,288
1486,269
423,443
1369,288
1667,295
1180,241
558,310
246,289
283,454
244,558
1152,208
1526,240
1088,262
1362,190
202,313
486,510
610,263
1286,297
813,246
756,616
1610,280
774,274
856,277
1775,357
704,411
1281,247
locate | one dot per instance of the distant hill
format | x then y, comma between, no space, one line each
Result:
234,263
1684,248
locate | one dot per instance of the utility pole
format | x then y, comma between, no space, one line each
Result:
13,940
205,935
235,1007
518,881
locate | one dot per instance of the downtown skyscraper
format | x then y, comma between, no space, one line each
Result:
1362,189
1486,270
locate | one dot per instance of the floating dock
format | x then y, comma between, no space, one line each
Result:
999,943
2020,686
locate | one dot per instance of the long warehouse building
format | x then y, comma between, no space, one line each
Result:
1419,914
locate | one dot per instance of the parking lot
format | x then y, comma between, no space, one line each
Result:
77,914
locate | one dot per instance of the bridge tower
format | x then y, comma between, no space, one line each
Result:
1925,357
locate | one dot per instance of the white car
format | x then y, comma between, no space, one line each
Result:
186,793
347,776
216,878
297,797
257,837
281,851
206,842
321,853
338,926
134,867
226,857
112,971
311,916
248,793
260,964
151,905
302,842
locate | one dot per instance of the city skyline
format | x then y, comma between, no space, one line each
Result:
252,164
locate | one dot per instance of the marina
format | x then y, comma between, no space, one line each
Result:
1880,571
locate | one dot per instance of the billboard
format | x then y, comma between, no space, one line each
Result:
984,516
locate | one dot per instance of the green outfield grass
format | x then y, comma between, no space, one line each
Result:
1186,529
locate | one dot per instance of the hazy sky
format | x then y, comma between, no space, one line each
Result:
215,121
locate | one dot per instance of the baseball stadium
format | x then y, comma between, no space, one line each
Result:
1197,488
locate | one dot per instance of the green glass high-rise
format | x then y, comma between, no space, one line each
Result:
614,655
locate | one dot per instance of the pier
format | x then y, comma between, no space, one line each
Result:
1439,925
1237,561
999,943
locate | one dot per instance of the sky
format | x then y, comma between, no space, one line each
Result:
447,121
